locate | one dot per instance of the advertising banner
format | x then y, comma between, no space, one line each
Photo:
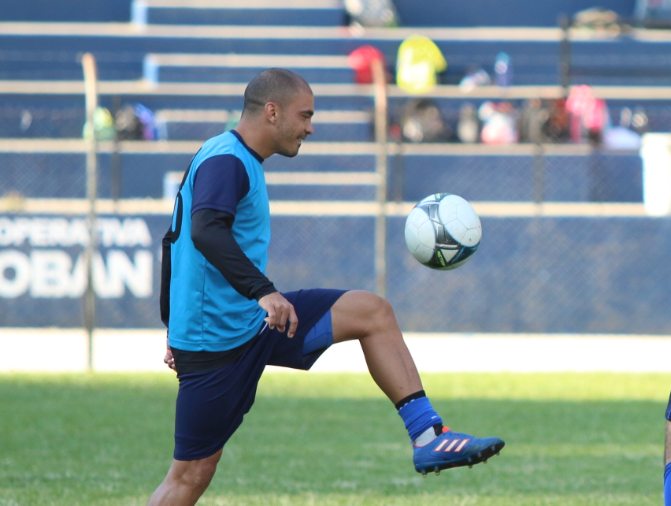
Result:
43,271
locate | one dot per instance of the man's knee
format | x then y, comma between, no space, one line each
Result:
359,314
383,310
195,474
378,311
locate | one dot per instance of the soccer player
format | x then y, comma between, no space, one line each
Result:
227,321
667,456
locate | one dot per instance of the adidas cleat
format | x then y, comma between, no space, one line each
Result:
453,449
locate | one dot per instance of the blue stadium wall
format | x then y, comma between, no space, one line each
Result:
593,275
411,12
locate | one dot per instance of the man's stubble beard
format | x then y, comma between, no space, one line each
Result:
285,138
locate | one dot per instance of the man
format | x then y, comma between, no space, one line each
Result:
227,321
667,456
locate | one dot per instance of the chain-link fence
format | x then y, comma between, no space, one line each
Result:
595,265
44,234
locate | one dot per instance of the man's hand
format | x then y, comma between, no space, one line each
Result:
279,310
169,359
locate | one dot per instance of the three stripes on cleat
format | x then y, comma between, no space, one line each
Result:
451,443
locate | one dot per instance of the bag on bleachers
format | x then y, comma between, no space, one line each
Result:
598,19
589,115
475,76
468,126
372,13
556,127
135,122
423,122
532,118
361,60
103,125
499,123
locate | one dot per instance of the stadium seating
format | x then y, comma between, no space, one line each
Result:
200,52
189,66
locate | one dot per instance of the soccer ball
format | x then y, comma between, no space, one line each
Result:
443,231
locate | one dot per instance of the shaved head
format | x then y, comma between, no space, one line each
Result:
272,85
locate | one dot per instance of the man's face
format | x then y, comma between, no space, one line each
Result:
295,123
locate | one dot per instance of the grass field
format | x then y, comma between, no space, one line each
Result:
332,439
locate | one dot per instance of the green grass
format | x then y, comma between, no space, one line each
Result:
332,439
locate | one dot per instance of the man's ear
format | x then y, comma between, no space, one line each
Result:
272,112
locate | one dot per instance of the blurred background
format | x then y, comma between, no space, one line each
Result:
552,118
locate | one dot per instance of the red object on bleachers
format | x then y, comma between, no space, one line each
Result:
361,60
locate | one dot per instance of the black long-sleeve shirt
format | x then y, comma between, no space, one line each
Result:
212,235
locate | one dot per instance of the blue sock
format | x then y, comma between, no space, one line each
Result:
418,415
667,485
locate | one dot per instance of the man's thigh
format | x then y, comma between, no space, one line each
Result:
353,315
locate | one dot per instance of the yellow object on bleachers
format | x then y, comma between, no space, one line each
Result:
419,60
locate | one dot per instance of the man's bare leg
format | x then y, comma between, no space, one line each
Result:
667,461
370,319
667,444
186,481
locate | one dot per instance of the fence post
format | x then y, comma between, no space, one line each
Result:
380,85
91,97
539,176
565,55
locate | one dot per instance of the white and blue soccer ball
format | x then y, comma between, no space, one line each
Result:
443,231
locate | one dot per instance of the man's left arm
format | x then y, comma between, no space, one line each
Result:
164,297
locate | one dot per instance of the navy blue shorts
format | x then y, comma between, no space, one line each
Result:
211,404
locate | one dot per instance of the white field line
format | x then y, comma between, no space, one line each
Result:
517,353
48,349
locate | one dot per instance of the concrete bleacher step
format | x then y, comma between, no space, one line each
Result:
534,52
222,91
201,124
238,12
241,68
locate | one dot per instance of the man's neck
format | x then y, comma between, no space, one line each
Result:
253,136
